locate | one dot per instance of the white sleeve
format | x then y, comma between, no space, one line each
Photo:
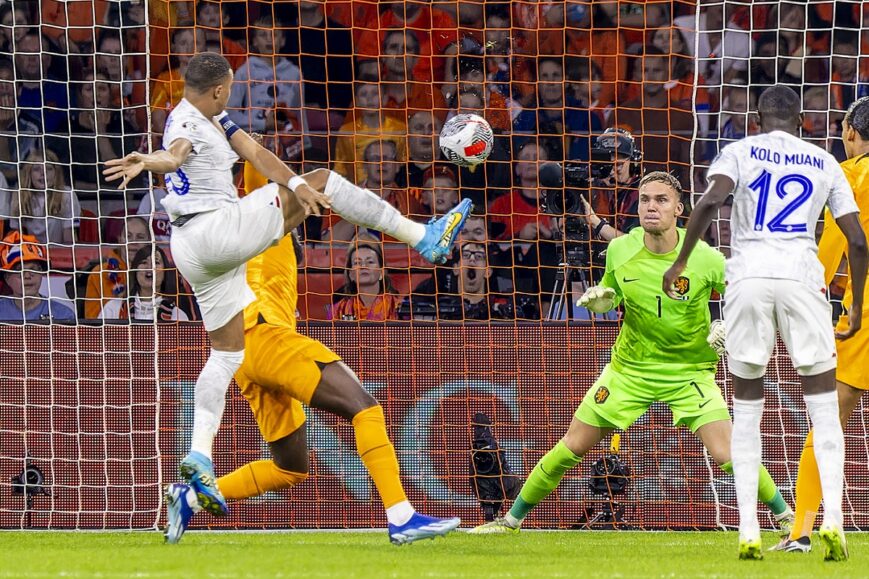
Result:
841,200
726,163
112,310
185,128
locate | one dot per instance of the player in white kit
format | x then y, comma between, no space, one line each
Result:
780,185
215,232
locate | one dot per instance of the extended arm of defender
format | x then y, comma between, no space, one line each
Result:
161,162
858,257
704,212
271,167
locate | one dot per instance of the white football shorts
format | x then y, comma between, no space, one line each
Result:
755,308
212,249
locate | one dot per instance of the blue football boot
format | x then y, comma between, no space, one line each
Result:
181,504
197,471
421,527
441,233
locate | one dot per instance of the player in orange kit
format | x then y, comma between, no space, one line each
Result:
282,370
852,372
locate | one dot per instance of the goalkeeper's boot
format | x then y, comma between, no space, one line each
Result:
181,504
750,549
440,234
835,548
196,470
421,527
497,527
801,545
785,522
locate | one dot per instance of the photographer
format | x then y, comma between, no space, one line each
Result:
615,195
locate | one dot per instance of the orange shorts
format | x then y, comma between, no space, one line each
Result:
853,357
279,373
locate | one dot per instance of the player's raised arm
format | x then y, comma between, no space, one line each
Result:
720,186
858,258
161,162
270,166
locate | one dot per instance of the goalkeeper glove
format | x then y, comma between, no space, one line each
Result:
598,299
715,339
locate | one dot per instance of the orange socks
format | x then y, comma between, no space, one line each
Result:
256,478
378,454
808,491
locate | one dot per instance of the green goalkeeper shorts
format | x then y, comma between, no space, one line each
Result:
617,399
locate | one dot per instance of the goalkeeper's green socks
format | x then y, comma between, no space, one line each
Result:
542,481
767,492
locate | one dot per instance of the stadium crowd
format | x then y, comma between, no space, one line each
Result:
364,87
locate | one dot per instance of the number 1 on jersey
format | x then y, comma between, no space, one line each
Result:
776,225
659,305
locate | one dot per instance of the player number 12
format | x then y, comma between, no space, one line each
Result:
763,184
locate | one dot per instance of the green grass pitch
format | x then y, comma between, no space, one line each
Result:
369,554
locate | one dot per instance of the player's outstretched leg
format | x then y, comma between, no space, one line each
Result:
341,393
546,476
362,207
181,504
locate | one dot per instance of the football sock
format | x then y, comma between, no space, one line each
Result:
767,492
210,397
829,444
362,207
808,491
253,179
542,481
378,455
745,450
256,478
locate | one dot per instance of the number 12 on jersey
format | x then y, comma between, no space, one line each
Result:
776,224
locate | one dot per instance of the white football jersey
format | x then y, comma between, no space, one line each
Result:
204,182
782,186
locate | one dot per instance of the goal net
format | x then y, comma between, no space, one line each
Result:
96,388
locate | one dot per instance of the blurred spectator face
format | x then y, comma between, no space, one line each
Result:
475,229
720,230
586,86
737,106
150,276
27,58
422,128
655,74
14,30
470,102
526,163
86,92
26,283
471,13
845,61
659,207
366,269
497,34
669,41
7,87
551,79
137,235
400,50
43,176
815,106
473,268
109,58
186,41
209,15
440,193
380,164
368,96
266,40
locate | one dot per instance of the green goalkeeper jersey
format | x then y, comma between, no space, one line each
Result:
658,332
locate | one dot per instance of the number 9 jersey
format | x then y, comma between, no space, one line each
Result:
782,184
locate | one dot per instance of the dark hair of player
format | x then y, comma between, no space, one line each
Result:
858,117
205,71
779,105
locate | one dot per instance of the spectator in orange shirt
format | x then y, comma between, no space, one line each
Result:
598,37
366,123
404,91
168,88
471,75
15,23
518,214
73,20
367,293
671,40
434,29
843,73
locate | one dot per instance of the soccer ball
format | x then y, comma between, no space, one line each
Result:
466,140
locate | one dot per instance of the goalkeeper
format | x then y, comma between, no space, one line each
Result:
666,351
283,369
